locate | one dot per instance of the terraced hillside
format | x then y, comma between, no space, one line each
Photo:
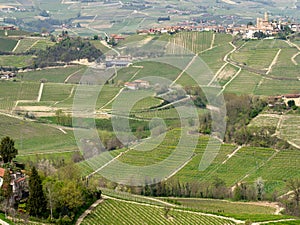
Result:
118,211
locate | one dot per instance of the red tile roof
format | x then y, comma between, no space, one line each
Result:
2,172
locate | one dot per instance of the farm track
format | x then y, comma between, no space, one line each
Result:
185,69
32,45
114,98
88,211
17,45
232,154
40,92
106,164
225,59
298,53
68,78
273,62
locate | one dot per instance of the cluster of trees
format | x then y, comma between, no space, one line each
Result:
61,195
198,95
291,201
69,49
63,118
216,189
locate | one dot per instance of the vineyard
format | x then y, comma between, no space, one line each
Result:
116,211
57,75
7,45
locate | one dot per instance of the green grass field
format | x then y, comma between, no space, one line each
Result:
269,87
28,136
15,60
264,121
227,207
25,44
290,129
7,45
56,75
10,92
257,54
56,92
245,83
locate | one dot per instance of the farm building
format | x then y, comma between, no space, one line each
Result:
291,97
137,84
8,28
120,61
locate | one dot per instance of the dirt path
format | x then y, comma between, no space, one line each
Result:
212,41
106,164
298,53
2,222
274,62
117,95
32,45
108,46
274,221
88,211
178,169
225,59
48,153
294,58
66,80
40,92
185,69
17,45
232,154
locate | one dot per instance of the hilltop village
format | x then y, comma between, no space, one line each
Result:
265,26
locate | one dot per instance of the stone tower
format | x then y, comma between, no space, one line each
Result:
266,17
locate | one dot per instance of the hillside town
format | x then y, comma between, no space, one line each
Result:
264,25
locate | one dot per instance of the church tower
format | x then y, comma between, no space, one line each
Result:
266,17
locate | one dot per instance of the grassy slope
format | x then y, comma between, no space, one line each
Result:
28,136
7,45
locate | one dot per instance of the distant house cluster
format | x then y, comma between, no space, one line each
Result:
119,61
7,75
264,25
7,9
18,183
137,84
8,28
284,99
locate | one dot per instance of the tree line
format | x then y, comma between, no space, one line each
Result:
67,50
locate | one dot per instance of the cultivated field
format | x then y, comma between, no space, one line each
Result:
119,211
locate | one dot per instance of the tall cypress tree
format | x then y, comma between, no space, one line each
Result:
37,204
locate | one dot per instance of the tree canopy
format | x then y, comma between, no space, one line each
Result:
7,149
69,49
37,203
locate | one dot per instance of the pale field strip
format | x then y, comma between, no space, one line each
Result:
225,59
232,154
32,45
298,53
230,2
274,62
66,80
185,69
17,45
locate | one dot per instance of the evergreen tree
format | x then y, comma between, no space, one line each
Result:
7,149
6,189
37,202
